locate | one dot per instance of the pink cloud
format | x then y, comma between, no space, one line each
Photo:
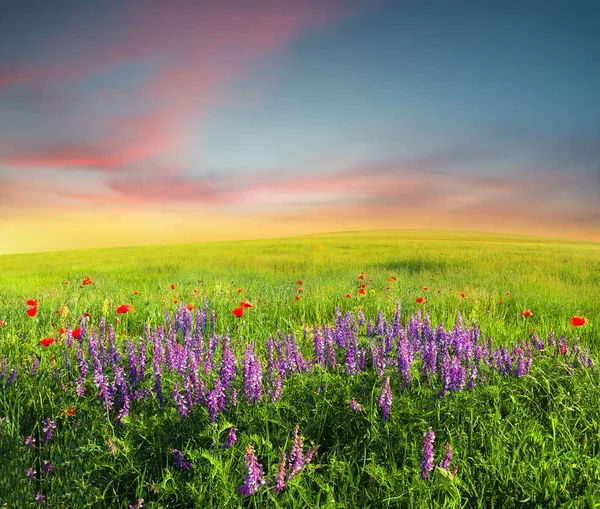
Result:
195,52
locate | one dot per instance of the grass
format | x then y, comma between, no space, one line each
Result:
529,441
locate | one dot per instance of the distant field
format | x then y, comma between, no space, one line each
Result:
530,439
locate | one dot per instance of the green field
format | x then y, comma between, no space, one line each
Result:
518,441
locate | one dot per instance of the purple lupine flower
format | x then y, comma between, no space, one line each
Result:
296,456
427,457
122,386
12,375
31,474
48,468
40,499
228,371
280,480
34,366
404,358
351,357
30,442
277,388
472,376
47,430
181,462
157,360
231,438
212,404
447,458
252,369
329,348
458,375
179,400
138,505
254,478
385,398
355,405
310,454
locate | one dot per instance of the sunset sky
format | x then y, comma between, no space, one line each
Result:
145,122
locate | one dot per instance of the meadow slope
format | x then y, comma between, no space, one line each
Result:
521,437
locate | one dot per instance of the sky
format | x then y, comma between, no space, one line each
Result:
152,122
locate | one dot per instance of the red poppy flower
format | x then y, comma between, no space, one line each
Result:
76,333
238,312
394,278
419,300
363,285
175,301
389,279
172,287
388,287
300,290
348,296
462,295
361,275
299,282
361,291
46,341
125,308
32,311
499,302
190,307
70,411
2,322
136,292
32,302
527,313
87,281
439,292
245,304
370,280
239,290
576,321
425,289
195,290
87,316
118,320
62,330
297,298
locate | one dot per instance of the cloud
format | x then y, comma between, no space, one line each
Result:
192,52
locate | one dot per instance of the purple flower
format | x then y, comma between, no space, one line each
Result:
427,458
138,505
40,499
181,462
254,478
355,405
31,474
47,430
48,468
180,400
30,442
280,480
252,370
296,456
231,438
385,398
34,366
447,458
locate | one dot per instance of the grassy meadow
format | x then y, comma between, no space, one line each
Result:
524,425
